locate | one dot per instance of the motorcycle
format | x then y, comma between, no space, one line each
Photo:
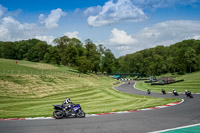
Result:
175,93
189,94
61,111
163,91
148,91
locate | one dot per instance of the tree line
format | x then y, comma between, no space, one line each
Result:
67,51
182,57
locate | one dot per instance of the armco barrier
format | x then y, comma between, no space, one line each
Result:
167,83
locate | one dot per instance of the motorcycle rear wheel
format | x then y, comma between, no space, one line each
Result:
58,114
191,96
80,114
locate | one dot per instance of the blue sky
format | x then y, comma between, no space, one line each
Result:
124,26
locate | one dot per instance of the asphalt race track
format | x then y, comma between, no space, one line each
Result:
183,114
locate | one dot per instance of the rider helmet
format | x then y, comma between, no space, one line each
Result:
67,100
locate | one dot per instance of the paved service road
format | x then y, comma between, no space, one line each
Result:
183,114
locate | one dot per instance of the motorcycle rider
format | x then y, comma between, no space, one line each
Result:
175,92
187,93
163,91
67,103
148,91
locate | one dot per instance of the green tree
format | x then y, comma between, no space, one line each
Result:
108,61
83,64
190,59
52,56
101,51
71,55
37,52
8,50
61,44
92,55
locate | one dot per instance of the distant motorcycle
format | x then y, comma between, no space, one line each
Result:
148,91
188,94
163,91
175,92
61,111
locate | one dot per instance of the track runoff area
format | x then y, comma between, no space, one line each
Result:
184,129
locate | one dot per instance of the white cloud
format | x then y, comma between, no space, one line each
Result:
48,39
53,18
120,37
4,34
152,4
1,13
121,11
197,37
92,10
115,11
164,33
3,10
12,30
42,18
77,10
5,13
72,34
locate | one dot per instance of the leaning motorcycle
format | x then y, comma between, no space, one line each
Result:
163,92
175,93
189,94
61,111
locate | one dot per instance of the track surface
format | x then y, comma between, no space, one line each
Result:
183,114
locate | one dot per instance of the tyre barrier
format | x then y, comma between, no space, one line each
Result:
116,83
125,79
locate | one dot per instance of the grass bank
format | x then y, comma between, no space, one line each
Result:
32,95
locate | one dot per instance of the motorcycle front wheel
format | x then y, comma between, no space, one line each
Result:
58,114
80,113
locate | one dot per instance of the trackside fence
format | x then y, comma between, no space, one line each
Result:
37,72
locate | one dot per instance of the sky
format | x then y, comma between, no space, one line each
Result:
124,26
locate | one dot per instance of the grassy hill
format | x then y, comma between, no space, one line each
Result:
191,82
30,89
8,66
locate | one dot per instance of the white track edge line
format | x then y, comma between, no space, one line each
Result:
175,128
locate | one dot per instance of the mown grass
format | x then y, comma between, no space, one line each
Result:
191,82
32,95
